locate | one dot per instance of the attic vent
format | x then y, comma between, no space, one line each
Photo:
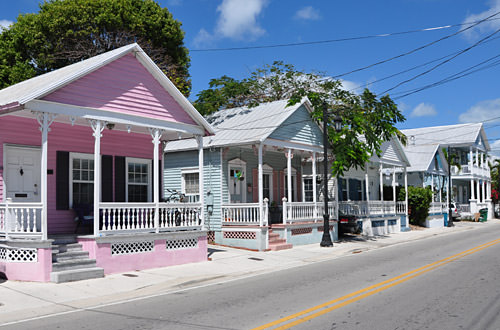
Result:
412,139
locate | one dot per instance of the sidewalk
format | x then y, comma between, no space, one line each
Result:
24,300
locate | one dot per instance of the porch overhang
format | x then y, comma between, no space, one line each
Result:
292,145
71,111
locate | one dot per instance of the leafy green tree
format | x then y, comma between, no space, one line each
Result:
367,121
67,31
419,201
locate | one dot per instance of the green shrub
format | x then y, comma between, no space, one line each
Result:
419,201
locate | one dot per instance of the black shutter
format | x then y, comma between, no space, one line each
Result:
120,173
107,178
62,180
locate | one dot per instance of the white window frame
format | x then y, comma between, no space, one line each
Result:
305,177
72,156
237,162
183,180
138,161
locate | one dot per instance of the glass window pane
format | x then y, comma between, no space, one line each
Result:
85,164
85,175
76,163
76,175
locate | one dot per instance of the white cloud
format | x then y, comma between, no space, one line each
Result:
308,13
403,107
174,3
350,86
495,149
423,110
484,110
238,20
4,23
485,27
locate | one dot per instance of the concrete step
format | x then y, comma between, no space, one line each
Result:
70,255
66,247
277,241
273,235
63,239
76,274
73,264
280,246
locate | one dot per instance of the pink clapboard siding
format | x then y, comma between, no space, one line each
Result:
123,86
64,137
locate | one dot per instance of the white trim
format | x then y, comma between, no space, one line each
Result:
294,180
268,170
190,170
111,116
138,161
293,145
237,162
77,155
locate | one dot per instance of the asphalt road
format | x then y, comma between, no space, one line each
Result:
443,282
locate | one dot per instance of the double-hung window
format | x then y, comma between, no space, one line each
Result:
81,179
191,184
138,180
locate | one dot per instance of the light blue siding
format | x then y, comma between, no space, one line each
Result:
172,177
299,127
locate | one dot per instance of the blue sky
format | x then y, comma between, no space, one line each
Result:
220,24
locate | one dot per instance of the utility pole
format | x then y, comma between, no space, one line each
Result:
450,219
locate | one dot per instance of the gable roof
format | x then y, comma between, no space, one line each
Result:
392,153
15,97
454,135
421,156
244,125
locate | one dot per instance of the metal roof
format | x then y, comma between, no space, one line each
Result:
460,134
16,96
240,126
421,156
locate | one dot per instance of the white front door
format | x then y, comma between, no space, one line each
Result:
22,174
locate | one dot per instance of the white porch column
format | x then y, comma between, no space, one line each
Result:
471,157
261,187
406,198
381,182
488,190
472,193
433,187
477,165
45,120
201,179
479,199
367,183
483,190
156,134
315,214
440,190
289,174
97,127
394,187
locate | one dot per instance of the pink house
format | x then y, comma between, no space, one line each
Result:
80,171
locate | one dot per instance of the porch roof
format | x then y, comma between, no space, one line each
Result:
242,126
454,135
30,92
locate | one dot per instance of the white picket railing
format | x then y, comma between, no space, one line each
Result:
245,214
364,208
140,217
306,211
22,220
437,207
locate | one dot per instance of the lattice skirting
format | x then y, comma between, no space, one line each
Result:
18,255
178,244
321,228
302,231
211,236
132,247
240,234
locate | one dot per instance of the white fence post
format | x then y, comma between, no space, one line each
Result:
8,218
285,210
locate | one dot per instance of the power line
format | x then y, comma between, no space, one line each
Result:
443,62
415,49
293,44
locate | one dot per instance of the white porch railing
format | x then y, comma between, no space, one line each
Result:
463,208
306,211
22,220
140,217
468,170
245,214
364,208
437,207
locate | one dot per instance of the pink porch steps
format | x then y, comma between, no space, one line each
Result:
276,243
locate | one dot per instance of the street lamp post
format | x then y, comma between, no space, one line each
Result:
326,240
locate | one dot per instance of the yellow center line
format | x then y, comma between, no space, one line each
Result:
368,291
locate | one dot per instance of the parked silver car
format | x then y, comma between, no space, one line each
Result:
454,211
